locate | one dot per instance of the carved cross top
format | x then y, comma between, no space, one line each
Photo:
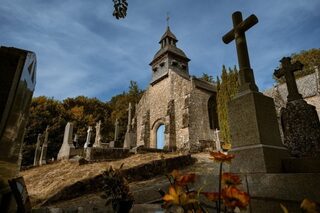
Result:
246,76
287,70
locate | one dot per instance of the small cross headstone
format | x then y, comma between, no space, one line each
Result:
75,141
246,77
44,147
97,141
37,151
116,130
87,144
287,70
129,117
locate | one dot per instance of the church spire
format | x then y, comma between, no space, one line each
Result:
168,57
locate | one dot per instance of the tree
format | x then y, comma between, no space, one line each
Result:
226,89
85,112
44,112
120,8
309,58
119,105
207,78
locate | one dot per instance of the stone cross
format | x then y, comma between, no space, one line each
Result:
97,141
116,130
87,144
246,77
43,155
129,117
218,144
287,70
37,151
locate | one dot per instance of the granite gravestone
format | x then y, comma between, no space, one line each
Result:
299,120
129,140
37,151
252,116
67,149
44,147
87,143
97,141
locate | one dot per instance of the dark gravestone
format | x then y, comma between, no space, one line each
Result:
300,122
255,135
20,193
17,83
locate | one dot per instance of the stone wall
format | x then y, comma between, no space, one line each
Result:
182,106
199,118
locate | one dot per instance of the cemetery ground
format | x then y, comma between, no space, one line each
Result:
48,180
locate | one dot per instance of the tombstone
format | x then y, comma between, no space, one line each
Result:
97,141
218,144
17,83
87,144
44,147
37,151
299,120
116,130
111,144
252,117
129,140
75,141
67,149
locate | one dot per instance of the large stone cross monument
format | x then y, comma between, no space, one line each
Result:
246,77
255,135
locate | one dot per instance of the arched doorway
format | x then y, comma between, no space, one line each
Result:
160,137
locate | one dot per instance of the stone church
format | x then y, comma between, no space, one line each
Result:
177,107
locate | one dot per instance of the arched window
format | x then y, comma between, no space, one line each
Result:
213,113
160,137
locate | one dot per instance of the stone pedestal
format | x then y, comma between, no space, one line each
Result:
255,135
129,140
301,128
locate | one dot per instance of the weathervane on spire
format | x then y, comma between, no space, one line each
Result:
167,19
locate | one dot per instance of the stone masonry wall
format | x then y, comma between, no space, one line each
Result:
199,119
182,107
180,92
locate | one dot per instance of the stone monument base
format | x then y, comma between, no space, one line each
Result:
129,140
258,159
255,135
301,165
301,128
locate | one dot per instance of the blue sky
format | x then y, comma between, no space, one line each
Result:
83,50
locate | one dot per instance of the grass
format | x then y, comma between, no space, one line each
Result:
44,181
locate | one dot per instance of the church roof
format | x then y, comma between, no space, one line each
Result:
168,33
168,45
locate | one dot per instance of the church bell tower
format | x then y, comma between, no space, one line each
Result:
169,57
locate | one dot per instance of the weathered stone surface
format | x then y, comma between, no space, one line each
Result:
301,128
177,101
67,149
255,134
37,151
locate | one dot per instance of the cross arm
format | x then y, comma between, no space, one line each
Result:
243,26
278,73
